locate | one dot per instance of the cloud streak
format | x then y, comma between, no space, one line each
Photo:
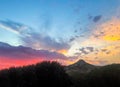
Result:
22,52
38,41
20,55
34,39
13,26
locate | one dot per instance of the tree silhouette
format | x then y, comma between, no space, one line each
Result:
43,74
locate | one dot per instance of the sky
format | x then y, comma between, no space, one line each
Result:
32,31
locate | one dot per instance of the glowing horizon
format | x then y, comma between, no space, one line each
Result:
64,31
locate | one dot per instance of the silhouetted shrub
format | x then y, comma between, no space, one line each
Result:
52,74
43,74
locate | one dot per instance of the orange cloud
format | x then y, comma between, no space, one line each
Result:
107,36
112,37
63,51
106,40
110,30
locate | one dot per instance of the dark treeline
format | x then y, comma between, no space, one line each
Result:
44,74
106,76
52,74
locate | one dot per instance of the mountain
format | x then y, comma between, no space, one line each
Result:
80,67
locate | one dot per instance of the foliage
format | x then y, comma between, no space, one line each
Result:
43,74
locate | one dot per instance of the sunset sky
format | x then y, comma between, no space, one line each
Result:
62,30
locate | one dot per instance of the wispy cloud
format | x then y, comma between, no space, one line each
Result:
13,26
33,39
21,53
38,41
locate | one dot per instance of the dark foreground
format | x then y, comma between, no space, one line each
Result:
52,74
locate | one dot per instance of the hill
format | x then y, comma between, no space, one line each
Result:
80,67
52,74
84,74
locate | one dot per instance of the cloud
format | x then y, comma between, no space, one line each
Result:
86,50
22,52
34,39
83,51
91,49
97,18
13,26
38,41
108,31
72,39
107,43
20,55
103,44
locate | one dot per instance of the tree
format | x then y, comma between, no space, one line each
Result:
39,75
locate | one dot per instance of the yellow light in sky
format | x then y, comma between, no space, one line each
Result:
63,51
111,30
111,38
